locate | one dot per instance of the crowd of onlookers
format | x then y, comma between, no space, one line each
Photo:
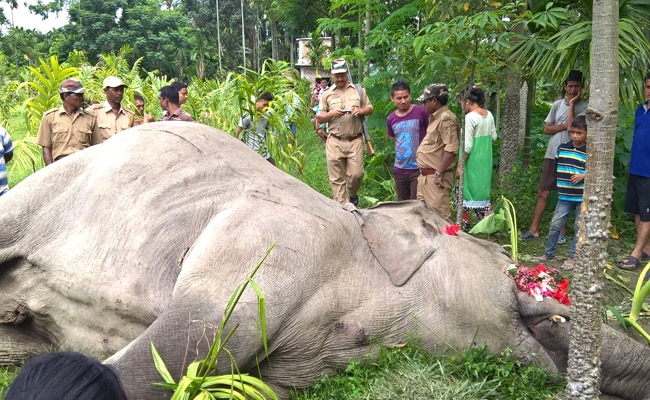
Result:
427,144
75,125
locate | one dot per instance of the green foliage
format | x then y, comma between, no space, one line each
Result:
558,39
20,48
468,47
316,51
502,219
289,98
639,296
211,101
378,183
414,373
106,26
199,381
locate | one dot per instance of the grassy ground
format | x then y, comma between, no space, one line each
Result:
412,373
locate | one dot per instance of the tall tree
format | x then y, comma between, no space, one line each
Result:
588,281
104,26
24,47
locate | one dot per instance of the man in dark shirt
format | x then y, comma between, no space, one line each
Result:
168,99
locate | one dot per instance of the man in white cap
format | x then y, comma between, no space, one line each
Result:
111,117
69,128
342,107
437,154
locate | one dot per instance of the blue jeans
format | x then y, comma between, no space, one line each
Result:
562,212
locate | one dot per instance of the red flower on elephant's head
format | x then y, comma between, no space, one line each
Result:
452,229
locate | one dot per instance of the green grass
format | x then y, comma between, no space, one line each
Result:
413,373
17,172
7,375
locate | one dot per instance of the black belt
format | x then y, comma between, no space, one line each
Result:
346,138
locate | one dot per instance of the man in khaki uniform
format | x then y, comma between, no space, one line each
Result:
340,106
438,151
111,117
69,128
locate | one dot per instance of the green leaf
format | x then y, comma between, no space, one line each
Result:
617,314
495,222
160,365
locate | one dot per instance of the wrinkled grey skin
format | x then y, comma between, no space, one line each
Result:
89,261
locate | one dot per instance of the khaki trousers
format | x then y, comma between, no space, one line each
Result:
344,167
434,197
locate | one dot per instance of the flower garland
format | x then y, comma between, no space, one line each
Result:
540,281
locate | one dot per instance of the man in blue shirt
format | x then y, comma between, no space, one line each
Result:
637,199
6,153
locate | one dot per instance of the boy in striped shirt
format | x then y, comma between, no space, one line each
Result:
570,161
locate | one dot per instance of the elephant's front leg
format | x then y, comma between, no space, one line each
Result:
182,335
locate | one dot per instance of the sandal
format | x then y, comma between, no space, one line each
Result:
568,265
645,256
528,236
629,263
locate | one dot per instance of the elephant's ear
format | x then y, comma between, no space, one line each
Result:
401,237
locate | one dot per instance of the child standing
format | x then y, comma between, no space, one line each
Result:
570,161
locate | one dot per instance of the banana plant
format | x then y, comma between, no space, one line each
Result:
502,219
640,294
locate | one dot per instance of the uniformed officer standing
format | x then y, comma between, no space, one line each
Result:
111,117
438,151
341,107
69,128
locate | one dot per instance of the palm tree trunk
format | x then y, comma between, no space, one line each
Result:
588,282
511,123
219,36
530,102
243,35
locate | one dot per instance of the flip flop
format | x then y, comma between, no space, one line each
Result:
629,263
528,236
568,265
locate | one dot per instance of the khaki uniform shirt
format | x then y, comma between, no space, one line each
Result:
333,99
442,135
65,135
107,123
